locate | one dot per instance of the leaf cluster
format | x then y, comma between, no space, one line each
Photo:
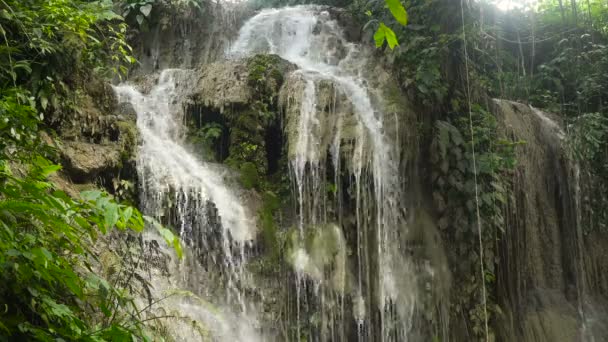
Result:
48,240
50,290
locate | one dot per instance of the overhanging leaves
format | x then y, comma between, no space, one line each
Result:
385,33
398,11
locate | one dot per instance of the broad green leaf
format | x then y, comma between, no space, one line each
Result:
82,222
111,215
90,195
108,14
385,33
44,102
140,19
391,38
43,252
178,247
2,326
126,214
59,310
379,36
45,172
145,10
102,202
73,284
398,11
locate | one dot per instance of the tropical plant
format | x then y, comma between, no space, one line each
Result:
50,289
48,240
384,33
139,10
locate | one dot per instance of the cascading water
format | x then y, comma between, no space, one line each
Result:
190,195
385,295
362,258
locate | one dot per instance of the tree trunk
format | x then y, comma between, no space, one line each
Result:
574,11
563,11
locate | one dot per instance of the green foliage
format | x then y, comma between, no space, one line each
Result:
250,177
588,138
47,48
18,121
265,76
205,137
49,290
138,13
456,191
270,206
398,11
420,67
454,159
420,61
588,142
247,140
47,41
137,10
556,58
384,33
574,78
211,131
48,240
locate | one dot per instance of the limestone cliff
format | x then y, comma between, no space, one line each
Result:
545,284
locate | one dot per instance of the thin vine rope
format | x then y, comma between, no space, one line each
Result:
481,265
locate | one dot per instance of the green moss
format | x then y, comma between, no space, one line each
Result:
265,74
128,134
250,178
269,226
248,127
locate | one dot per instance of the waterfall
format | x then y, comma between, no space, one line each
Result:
190,195
309,38
353,276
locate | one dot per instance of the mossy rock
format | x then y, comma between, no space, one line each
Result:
266,74
250,177
271,204
322,249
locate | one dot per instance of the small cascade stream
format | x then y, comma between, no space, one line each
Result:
190,195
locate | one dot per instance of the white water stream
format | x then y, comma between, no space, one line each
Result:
308,37
191,194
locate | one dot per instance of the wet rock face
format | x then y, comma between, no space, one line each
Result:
233,83
85,161
352,28
335,117
543,288
240,98
97,141
224,84
183,36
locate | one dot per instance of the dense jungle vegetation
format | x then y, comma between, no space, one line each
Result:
549,54
49,241
552,54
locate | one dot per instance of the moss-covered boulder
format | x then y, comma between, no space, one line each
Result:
97,141
318,252
240,98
